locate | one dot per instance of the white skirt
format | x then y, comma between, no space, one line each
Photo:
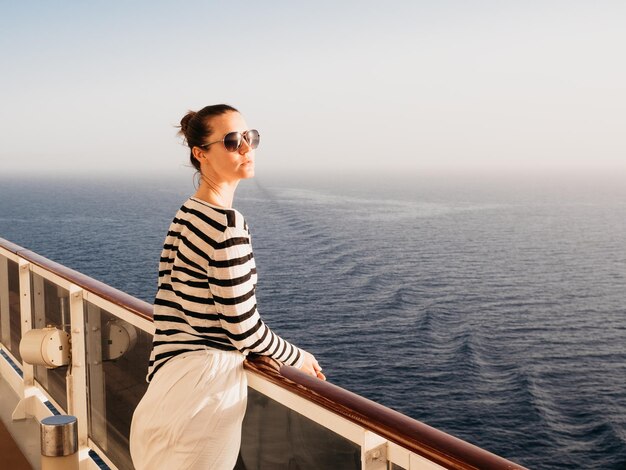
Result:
191,414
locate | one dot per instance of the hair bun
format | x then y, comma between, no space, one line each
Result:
184,122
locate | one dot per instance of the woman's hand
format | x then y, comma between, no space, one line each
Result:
311,367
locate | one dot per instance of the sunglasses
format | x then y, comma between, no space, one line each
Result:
233,140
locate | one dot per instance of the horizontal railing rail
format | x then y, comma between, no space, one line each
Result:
415,436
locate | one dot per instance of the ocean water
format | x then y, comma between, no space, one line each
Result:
492,309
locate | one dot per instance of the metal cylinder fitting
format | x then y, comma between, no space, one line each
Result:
59,436
49,347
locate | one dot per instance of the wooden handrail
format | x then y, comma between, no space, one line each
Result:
437,446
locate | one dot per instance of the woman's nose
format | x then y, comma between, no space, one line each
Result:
244,148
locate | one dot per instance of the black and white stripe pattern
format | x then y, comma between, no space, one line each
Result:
206,290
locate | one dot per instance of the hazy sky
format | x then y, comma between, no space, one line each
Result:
332,86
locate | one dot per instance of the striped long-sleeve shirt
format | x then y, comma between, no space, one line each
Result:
206,290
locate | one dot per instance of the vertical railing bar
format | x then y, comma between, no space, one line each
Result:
77,374
5,319
25,407
39,321
373,442
38,303
25,316
63,309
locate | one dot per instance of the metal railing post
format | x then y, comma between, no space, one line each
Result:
77,376
25,311
5,320
39,319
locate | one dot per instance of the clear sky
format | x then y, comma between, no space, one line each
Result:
94,86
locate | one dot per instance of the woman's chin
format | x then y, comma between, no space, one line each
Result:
247,171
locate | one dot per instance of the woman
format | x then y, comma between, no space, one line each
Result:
205,312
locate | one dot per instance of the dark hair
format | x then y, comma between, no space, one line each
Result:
195,127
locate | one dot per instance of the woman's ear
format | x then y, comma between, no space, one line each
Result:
198,153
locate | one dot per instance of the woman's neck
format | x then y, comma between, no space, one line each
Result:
218,193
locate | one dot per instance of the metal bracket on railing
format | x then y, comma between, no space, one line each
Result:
376,458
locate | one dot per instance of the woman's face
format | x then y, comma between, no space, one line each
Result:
219,164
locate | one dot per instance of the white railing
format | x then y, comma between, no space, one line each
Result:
316,424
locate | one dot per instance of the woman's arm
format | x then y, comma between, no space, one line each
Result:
232,282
